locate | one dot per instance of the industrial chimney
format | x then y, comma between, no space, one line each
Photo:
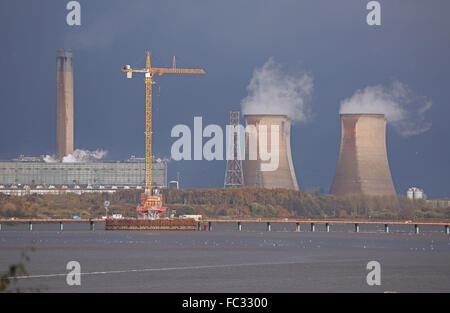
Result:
64,103
363,166
284,175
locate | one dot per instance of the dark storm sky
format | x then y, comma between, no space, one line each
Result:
328,39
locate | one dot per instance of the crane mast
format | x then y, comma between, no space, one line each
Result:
148,135
151,205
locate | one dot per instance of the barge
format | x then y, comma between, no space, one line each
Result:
147,224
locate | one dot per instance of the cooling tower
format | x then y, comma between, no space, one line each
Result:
363,166
254,175
64,103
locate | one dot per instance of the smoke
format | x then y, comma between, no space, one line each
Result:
79,156
273,92
404,110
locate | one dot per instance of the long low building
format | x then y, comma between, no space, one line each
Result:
25,190
129,173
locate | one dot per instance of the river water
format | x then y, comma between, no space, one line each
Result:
226,260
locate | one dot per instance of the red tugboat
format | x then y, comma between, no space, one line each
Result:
151,206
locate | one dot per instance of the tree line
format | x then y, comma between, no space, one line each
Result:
219,202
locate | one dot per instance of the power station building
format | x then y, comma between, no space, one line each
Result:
363,166
129,173
284,175
39,176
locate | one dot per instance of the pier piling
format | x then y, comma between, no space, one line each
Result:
206,224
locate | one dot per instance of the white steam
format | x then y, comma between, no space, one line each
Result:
79,156
84,156
50,159
402,109
273,92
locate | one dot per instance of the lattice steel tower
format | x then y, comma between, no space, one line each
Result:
233,174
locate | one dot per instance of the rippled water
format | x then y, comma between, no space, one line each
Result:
226,260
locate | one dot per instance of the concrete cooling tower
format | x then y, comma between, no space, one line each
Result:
363,166
64,103
284,175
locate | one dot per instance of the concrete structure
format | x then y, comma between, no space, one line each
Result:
26,190
440,203
86,175
206,224
363,166
284,175
174,184
64,103
415,193
196,217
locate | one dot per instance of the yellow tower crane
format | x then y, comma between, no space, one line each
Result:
148,201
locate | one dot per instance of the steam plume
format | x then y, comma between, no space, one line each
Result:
50,159
79,156
404,110
273,92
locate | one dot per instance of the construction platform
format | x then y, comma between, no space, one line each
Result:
143,224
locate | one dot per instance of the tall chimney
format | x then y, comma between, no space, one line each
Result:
64,103
284,175
363,166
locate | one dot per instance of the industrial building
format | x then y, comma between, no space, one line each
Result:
28,175
440,203
415,193
363,166
284,175
104,174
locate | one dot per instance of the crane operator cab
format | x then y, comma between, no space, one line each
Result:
129,74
